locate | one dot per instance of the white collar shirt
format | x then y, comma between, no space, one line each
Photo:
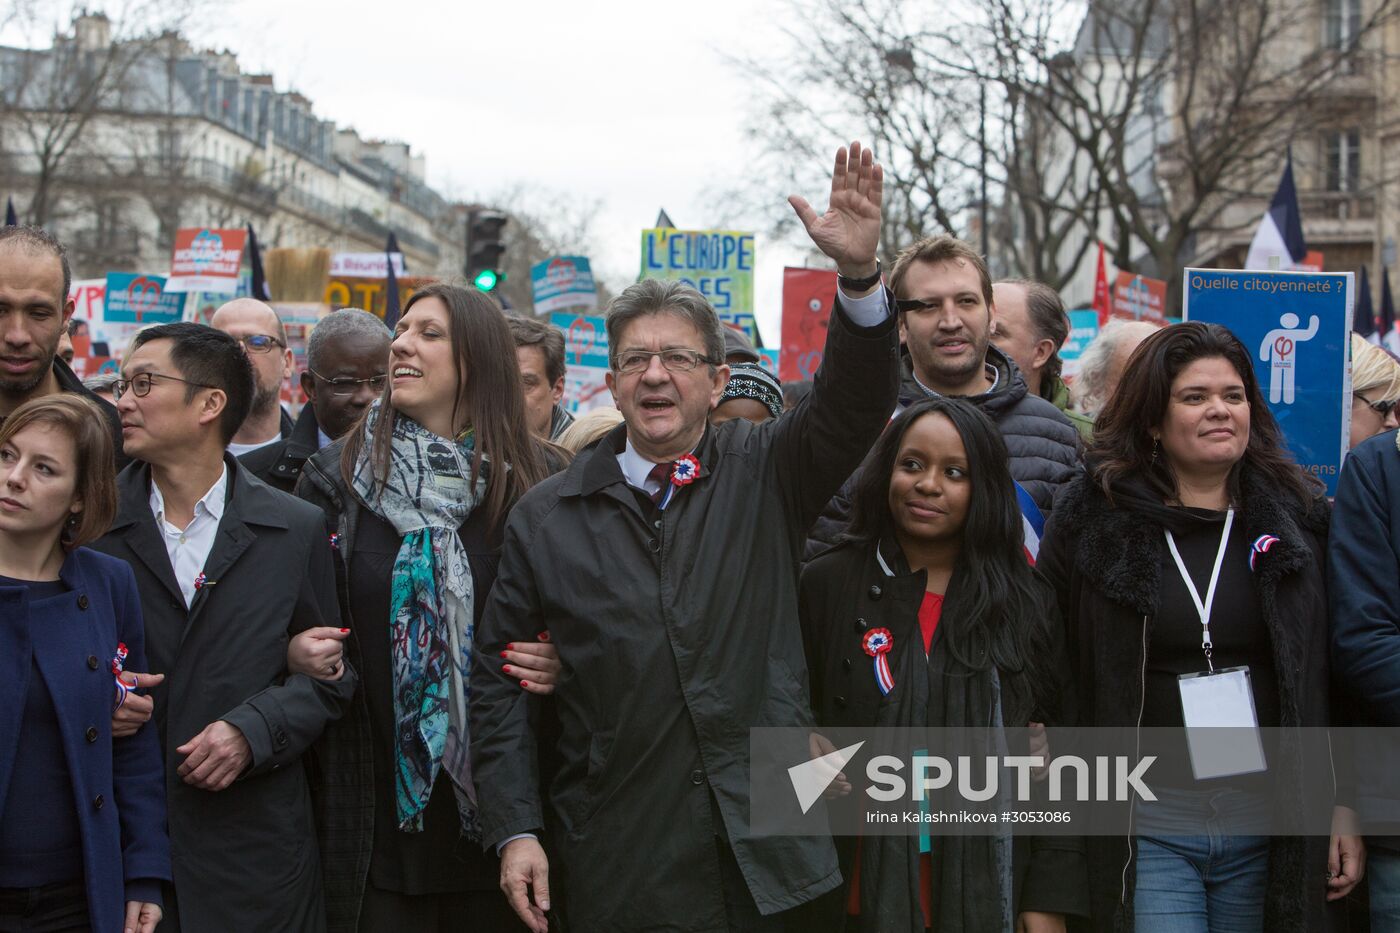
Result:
636,469
189,547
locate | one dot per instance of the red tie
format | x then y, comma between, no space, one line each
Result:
660,473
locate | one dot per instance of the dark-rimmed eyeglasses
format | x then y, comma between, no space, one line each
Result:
140,384
1380,408
260,343
344,388
675,360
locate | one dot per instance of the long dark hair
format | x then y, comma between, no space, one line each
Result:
1123,445
1002,608
488,388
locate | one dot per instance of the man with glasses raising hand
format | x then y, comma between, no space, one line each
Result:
258,328
663,565
347,358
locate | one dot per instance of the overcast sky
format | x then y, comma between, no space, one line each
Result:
630,104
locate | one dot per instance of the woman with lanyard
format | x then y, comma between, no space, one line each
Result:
83,844
953,628
417,495
1189,561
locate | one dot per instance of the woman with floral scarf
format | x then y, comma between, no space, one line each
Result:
417,495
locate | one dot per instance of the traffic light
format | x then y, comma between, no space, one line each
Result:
484,248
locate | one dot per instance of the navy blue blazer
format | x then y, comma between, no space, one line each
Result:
120,783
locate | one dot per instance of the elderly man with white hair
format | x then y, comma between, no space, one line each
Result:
1103,361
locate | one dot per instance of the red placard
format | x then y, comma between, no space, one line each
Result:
206,259
808,295
1138,298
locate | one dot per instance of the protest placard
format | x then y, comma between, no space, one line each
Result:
141,300
585,359
366,265
206,259
369,294
1083,328
1295,326
718,263
563,283
1138,298
808,295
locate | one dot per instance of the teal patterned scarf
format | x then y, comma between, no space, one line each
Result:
427,495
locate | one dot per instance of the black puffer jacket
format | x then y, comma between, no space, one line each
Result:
1045,446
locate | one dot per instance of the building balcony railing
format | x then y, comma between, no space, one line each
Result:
1336,205
377,229
130,173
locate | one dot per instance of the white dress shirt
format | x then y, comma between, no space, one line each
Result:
636,469
866,311
189,547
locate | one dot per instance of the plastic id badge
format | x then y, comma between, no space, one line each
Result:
1222,727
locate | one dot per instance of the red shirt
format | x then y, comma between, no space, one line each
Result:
929,613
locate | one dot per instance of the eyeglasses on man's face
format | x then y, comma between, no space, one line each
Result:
676,360
260,343
140,384
344,388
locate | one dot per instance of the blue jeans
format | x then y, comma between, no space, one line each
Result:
1212,881
1383,870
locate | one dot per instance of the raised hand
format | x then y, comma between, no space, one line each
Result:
849,231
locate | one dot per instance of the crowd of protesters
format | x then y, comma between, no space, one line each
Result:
435,655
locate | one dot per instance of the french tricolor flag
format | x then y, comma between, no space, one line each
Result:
1278,243
1032,523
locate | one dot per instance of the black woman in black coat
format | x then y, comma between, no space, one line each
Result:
934,567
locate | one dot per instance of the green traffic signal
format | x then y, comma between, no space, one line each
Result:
486,279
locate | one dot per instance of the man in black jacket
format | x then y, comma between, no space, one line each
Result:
258,329
347,358
228,570
662,564
34,311
943,293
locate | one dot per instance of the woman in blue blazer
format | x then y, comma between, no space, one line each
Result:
83,841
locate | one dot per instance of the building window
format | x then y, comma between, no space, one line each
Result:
1343,23
1343,161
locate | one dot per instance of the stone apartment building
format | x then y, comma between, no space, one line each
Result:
1346,163
115,143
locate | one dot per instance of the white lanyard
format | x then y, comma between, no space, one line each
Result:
1204,607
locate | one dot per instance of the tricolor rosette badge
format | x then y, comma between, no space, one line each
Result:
683,473
1261,545
118,665
877,643
686,470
